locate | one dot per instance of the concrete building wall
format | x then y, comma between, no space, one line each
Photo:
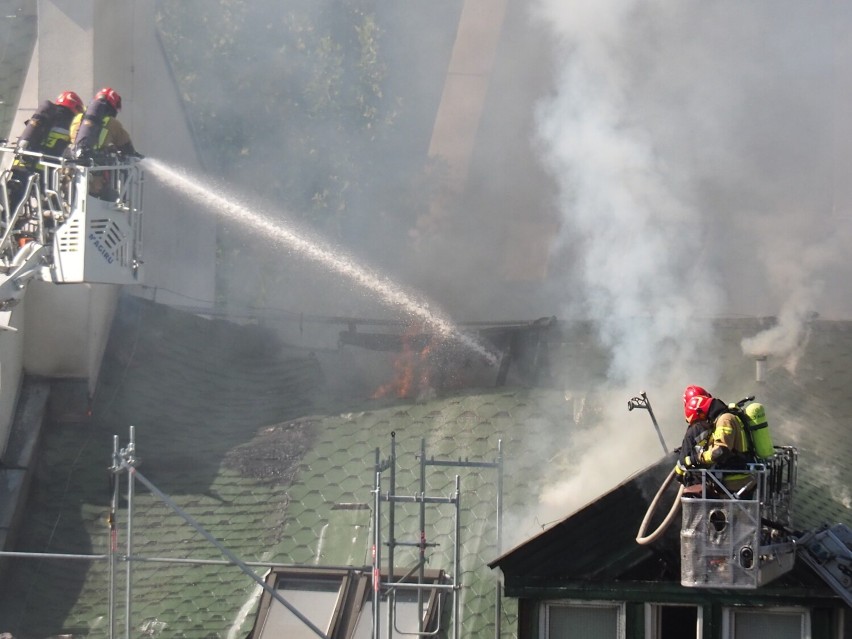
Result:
180,240
117,46
11,371
66,329
82,46
64,48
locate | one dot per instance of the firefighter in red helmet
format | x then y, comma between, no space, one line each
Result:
727,447
46,133
694,439
48,129
98,135
98,129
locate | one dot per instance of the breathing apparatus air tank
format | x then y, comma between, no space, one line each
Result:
758,426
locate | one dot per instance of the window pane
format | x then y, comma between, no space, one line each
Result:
583,622
405,616
677,622
364,627
315,600
755,624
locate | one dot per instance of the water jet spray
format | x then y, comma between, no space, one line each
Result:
213,197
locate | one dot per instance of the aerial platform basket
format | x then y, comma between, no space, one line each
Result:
68,222
101,240
742,538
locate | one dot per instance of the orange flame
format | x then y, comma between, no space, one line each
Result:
412,369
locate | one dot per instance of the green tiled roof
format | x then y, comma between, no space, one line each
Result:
230,426
238,430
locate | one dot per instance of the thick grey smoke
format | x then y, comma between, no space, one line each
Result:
650,166
700,156
626,209
700,151
323,109
697,149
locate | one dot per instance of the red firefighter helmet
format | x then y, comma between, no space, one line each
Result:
70,100
696,408
111,96
692,391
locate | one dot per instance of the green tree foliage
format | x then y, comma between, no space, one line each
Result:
284,96
286,100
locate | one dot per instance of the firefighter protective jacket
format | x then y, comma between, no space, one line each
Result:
728,445
47,131
98,129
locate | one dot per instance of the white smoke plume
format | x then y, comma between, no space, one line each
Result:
695,154
638,236
800,270
700,152
698,155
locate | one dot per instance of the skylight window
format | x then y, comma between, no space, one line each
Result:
315,599
339,602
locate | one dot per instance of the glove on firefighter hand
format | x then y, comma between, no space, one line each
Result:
681,472
713,455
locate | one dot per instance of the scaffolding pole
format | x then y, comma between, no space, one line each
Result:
498,466
113,529
128,462
134,473
392,584
125,460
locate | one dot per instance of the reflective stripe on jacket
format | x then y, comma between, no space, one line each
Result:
727,440
89,129
47,132
98,129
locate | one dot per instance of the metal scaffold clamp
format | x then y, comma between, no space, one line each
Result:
127,455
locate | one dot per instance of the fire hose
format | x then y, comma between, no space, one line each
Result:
644,403
641,538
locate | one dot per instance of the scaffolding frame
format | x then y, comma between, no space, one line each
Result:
390,586
124,460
